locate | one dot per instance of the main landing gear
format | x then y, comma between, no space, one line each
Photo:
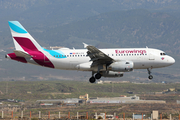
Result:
149,72
93,78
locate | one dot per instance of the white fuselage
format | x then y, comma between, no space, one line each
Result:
142,58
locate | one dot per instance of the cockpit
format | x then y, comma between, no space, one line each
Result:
162,54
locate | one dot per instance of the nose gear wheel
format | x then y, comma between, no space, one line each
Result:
149,72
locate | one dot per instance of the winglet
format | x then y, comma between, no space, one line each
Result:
85,45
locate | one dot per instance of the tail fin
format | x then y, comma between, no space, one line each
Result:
23,41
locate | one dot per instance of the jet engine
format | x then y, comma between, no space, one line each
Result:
112,74
122,66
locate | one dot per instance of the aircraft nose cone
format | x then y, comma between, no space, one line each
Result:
171,60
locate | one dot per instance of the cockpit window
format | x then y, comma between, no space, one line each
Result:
127,62
163,54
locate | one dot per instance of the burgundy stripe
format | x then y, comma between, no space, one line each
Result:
31,49
14,57
26,44
41,59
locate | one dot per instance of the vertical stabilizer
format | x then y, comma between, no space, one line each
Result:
26,47
23,41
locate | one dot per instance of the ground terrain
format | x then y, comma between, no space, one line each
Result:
29,92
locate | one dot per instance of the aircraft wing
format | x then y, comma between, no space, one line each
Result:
22,54
97,56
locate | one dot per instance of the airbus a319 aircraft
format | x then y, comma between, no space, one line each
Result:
101,62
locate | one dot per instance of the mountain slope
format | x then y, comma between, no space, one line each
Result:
69,23
134,28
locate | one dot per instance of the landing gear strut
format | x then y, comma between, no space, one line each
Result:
149,72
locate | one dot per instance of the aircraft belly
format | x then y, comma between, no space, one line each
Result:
142,64
66,64
61,64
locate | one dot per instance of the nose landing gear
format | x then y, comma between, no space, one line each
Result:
150,77
149,72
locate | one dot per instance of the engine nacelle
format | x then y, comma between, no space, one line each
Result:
123,66
112,74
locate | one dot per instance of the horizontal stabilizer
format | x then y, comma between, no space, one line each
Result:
22,54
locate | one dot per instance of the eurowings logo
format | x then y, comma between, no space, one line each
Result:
162,58
130,51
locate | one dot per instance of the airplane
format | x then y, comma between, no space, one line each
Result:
101,62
